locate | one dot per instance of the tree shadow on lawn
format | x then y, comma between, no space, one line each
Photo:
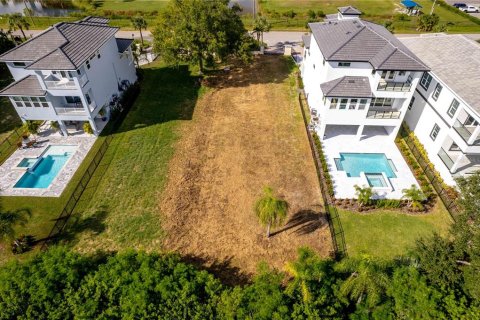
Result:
223,270
78,224
274,69
166,94
307,221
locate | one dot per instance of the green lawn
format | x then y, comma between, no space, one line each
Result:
120,207
388,233
143,5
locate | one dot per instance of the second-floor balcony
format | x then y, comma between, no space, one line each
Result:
394,86
71,109
383,114
59,84
466,133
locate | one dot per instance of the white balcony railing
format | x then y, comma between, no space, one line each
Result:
61,84
71,111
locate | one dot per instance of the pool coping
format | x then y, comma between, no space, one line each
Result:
10,174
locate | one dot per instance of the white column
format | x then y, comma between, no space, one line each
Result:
63,128
457,162
321,132
360,131
94,126
474,135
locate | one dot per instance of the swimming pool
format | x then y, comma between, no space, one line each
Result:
354,163
47,168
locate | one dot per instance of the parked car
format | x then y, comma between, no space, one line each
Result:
469,8
460,5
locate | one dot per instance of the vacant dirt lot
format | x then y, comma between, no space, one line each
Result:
246,133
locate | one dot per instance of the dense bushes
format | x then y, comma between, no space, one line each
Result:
60,284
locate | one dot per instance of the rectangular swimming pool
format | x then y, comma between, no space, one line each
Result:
354,163
47,168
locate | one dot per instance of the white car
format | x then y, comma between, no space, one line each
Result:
469,8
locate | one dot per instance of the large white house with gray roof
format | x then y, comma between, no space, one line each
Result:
445,110
359,80
358,77
69,73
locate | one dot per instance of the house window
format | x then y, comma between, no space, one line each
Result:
353,104
409,79
363,104
19,64
402,73
384,74
98,55
344,64
88,64
87,97
43,101
333,103
26,102
410,105
425,81
391,75
17,101
314,66
383,102
453,108
73,100
343,104
435,131
437,91
36,102
79,72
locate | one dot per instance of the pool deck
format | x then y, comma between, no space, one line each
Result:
9,174
347,143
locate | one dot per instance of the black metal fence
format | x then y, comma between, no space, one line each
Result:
447,199
334,223
67,211
8,146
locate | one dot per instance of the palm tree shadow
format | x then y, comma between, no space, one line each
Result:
78,224
305,221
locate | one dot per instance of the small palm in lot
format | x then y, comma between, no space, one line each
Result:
271,210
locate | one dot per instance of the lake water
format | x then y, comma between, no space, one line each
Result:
12,6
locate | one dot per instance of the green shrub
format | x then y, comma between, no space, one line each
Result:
87,128
388,203
323,161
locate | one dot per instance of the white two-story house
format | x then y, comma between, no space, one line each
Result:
358,77
69,73
445,109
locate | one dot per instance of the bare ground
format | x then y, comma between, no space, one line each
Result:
246,133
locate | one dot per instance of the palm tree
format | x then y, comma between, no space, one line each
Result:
17,21
270,210
414,196
8,221
368,279
364,195
306,269
260,26
139,23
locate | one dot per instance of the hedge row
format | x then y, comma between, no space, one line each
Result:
323,161
445,5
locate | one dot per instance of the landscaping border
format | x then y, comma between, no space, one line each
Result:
334,223
428,170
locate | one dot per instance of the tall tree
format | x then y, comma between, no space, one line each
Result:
17,21
260,26
198,31
139,23
5,42
271,210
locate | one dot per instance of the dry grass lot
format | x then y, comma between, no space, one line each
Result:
246,132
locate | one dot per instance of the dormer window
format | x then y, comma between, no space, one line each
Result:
19,64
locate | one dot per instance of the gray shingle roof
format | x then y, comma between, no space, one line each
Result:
306,40
28,86
349,10
455,60
95,20
123,44
348,86
65,46
359,40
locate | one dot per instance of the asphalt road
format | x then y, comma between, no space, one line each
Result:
475,3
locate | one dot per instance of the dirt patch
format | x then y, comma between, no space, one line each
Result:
246,133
